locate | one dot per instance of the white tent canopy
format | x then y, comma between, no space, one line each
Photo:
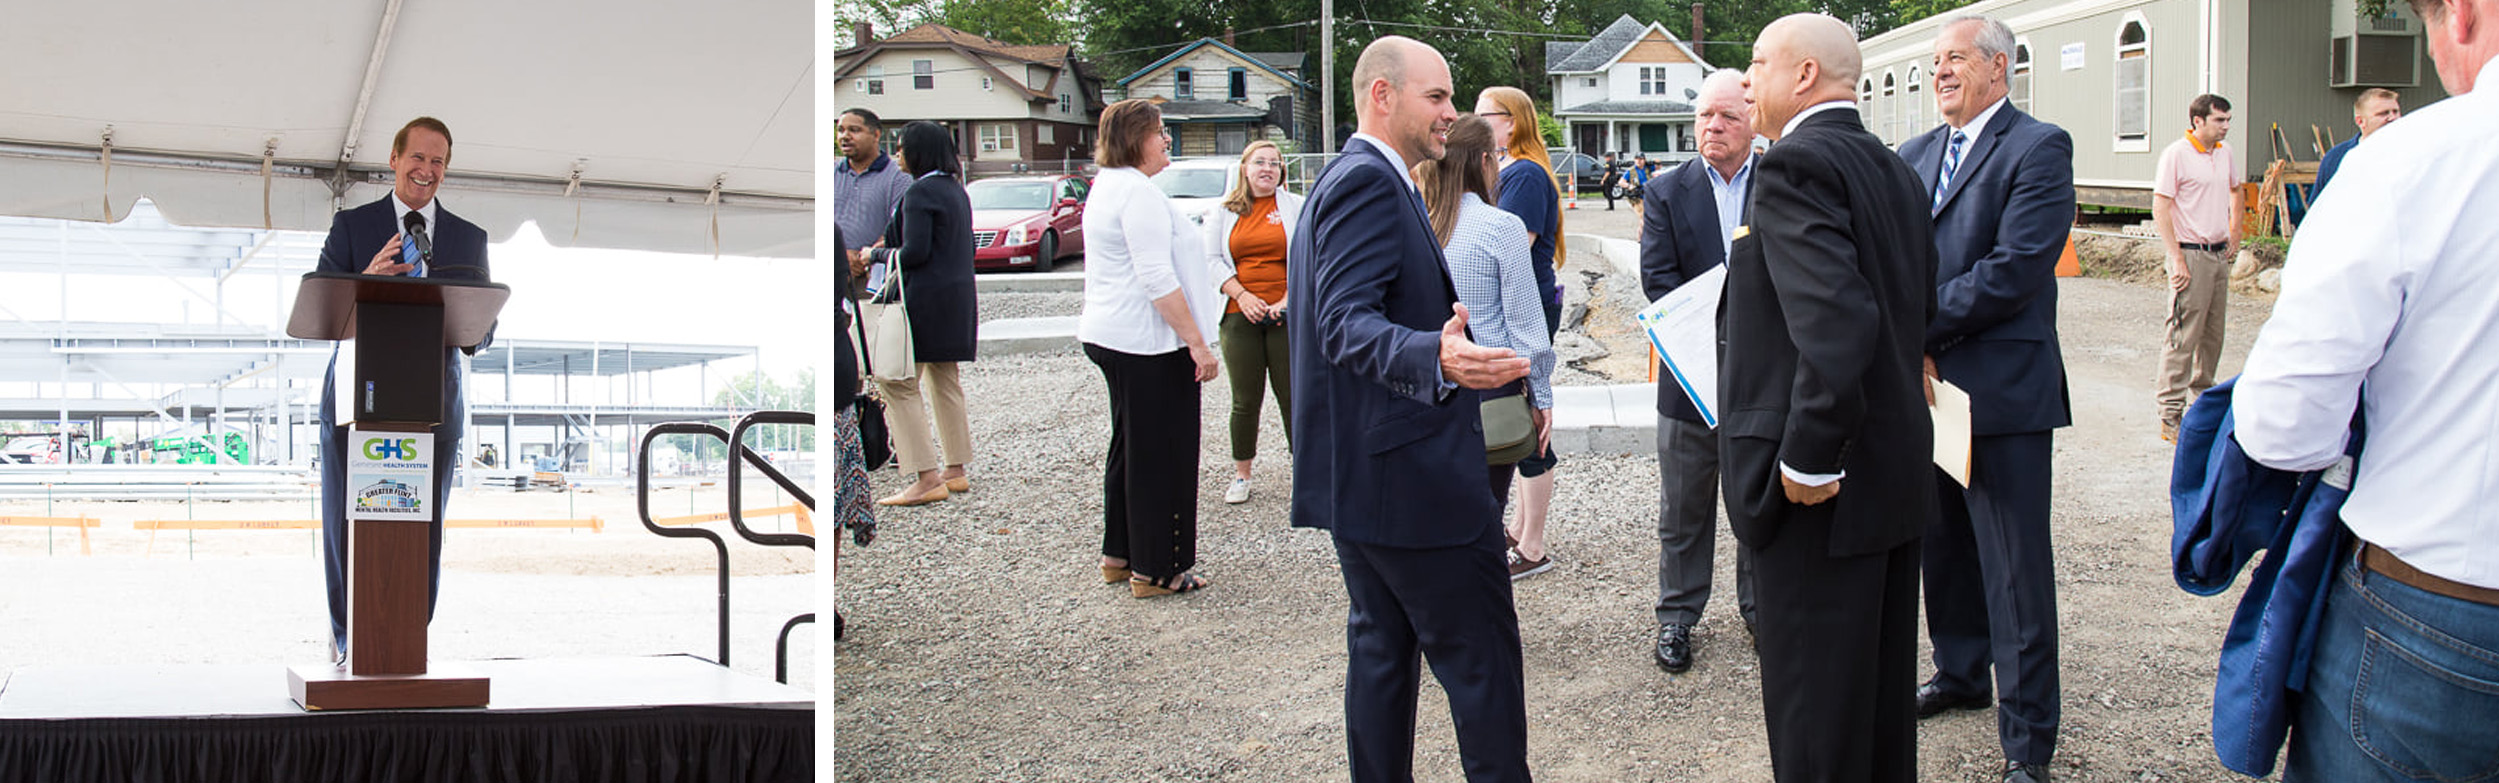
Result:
624,123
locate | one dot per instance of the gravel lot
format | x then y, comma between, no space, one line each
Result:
983,646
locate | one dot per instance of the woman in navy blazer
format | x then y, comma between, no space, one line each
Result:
929,244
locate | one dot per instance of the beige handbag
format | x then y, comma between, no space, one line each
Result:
888,326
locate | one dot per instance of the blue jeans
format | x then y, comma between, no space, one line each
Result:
2404,685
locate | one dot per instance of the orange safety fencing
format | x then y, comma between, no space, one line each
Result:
82,523
806,521
153,526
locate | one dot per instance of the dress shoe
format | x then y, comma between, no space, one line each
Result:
2018,772
1674,647
1933,700
961,483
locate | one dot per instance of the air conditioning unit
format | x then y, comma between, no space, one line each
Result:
2382,50
2375,61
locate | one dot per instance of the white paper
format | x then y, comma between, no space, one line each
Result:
1952,431
1683,326
390,475
2070,57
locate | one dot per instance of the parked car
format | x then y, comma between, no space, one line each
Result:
1590,171
1027,222
1197,185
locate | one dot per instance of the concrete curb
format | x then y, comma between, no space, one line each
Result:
1029,283
1605,420
1012,336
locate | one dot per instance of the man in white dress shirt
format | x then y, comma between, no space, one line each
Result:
2396,293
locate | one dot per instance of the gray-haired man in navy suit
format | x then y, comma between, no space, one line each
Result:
2001,187
1689,222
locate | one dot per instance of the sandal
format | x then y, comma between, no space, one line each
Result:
1112,574
1142,586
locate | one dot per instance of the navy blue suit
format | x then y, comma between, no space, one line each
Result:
1394,469
1989,569
1680,240
459,253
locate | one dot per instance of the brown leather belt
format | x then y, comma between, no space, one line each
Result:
2386,564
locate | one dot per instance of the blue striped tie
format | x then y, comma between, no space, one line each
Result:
1952,162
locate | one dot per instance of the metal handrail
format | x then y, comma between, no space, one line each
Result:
737,516
642,504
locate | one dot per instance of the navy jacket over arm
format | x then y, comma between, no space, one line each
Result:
1999,233
1678,242
1370,293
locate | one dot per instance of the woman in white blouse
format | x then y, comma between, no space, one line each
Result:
1150,309
1246,237
1488,255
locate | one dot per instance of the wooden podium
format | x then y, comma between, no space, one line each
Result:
401,326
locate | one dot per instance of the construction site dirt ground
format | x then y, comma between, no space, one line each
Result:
983,646
256,595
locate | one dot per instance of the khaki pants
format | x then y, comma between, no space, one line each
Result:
2197,315
907,415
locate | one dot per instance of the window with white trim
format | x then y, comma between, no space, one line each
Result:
1048,133
1588,82
2020,79
1067,105
1891,107
924,74
997,137
1918,108
1652,80
874,75
2134,82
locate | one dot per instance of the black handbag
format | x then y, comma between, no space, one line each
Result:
876,443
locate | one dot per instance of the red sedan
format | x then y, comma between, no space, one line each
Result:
1027,222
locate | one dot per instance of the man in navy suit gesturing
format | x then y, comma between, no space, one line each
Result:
2001,187
1395,468
382,238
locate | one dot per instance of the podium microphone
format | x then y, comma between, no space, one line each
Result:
415,223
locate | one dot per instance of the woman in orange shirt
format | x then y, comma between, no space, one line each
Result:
1246,238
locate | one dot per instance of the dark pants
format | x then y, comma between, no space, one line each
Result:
1839,652
1453,606
334,544
1254,354
1991,590
1149,479
1687,525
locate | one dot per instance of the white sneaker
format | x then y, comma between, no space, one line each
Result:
1237,493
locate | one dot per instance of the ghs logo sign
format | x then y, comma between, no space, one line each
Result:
390,448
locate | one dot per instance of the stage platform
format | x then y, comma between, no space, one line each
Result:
671,719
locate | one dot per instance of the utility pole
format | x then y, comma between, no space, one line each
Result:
1327,75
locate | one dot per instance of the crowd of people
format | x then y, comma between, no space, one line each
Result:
1393,310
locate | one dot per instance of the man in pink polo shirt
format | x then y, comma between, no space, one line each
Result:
2194,209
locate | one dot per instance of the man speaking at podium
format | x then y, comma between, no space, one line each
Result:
408,234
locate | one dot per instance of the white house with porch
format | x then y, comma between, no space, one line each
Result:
1628,89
